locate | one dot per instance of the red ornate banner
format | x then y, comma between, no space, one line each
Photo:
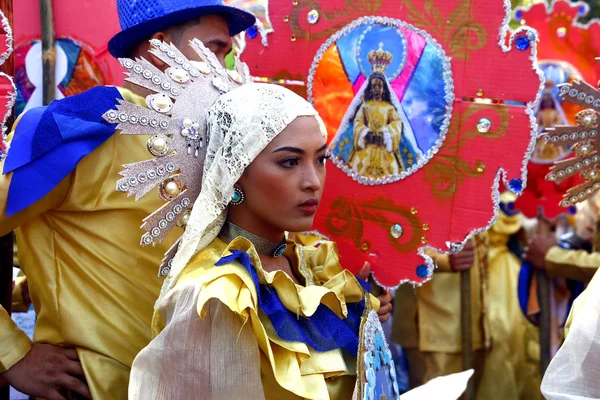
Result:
429,104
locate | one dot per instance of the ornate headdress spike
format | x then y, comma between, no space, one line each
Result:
584,138
380,59
176,121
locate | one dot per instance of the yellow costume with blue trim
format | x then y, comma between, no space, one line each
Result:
79,248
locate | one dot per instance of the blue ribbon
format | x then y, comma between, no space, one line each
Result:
323,331
50,141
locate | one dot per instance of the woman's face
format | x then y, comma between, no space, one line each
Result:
377,89
284,184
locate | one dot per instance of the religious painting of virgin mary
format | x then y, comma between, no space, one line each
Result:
401,107
384,144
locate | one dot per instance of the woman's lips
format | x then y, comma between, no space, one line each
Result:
309,207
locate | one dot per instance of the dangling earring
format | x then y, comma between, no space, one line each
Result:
238,197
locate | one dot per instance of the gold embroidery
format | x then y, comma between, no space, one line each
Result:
347,219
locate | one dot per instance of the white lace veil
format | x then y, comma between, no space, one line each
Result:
240,125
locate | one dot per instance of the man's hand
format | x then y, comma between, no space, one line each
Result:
385,305
385,299
539,246
464,260
48,371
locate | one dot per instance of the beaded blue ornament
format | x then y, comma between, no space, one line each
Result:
238,197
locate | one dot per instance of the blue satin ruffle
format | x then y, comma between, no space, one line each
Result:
323,331
50,141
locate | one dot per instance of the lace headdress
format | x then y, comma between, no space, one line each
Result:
207,124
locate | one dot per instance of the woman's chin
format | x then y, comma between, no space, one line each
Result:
301,225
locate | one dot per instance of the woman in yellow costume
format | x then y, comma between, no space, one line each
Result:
246,313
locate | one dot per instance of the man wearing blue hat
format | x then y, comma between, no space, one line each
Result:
92,284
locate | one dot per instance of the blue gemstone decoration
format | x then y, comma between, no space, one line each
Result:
581,10
516,185
252,32
519,14
280,250
523,43
236,197
422,271
572,210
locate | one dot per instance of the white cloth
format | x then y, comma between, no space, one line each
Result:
574,373
449,387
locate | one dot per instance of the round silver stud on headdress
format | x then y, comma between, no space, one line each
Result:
175,120
160,103
178,74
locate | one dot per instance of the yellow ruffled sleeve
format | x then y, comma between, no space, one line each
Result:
325,269
289,369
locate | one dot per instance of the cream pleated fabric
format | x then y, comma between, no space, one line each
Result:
574,373
214,358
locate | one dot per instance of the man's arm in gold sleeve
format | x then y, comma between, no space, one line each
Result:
48,202
578,265
14,343
441,261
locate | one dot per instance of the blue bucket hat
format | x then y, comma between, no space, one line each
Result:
140,19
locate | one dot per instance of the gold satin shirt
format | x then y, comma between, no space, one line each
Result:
430,314
92,285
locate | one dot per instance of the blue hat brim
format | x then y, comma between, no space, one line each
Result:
125,41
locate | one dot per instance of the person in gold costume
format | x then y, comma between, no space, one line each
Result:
92,284
543,251
429,325
512,367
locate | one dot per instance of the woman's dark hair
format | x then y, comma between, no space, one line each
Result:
387,96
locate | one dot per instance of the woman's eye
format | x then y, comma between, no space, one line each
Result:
289,163
324,158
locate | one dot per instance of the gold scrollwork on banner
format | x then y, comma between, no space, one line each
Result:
347,219
334,20
458,34
447,170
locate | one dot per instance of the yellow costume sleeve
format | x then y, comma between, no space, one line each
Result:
360,125
441,261
395,127
572,264
14,343
51,200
